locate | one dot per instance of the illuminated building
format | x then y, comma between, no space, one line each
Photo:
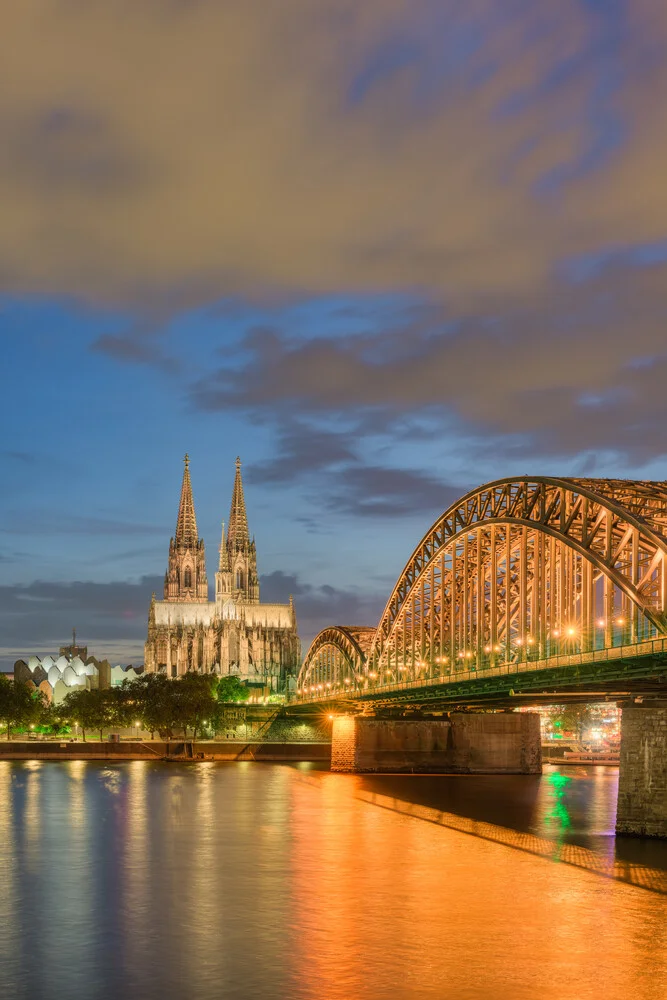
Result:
232,634
56,676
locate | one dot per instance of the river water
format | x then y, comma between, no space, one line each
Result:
150,881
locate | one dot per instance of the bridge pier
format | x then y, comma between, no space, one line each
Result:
642,783
484,743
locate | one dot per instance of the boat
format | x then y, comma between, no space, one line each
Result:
181,758
183,752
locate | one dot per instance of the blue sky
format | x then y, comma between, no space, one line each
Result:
384,251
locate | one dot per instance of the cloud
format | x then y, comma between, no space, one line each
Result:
303,449
319,607
21,457
48,522
190,151
343,481
577,366
38,616
133,350
380,491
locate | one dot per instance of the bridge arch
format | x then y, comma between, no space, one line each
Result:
525,568
335,660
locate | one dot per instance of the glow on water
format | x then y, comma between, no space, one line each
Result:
244,881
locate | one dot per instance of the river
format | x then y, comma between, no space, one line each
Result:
151,881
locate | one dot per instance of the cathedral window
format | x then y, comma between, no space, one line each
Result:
187,579
239,579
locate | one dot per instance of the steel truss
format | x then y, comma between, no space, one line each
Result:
517,570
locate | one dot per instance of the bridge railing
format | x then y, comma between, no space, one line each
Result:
651,647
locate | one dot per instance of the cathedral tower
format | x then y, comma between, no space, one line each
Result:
185,579
241,552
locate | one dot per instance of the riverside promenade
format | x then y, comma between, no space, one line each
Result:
219,750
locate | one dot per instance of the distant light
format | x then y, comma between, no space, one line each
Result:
556,632
571,631
347,680
601,622
330,717
519,642
621,621
469,656
530,642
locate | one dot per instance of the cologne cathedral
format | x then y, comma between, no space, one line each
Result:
234,633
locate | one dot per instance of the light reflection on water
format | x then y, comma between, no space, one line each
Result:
250,880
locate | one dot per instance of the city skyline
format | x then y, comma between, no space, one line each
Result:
386,254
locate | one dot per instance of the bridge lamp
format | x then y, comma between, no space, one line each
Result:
469,656
620,621
347,680
461,656
556,633
496,649
531,642
519,642
487,649
601,623
571,631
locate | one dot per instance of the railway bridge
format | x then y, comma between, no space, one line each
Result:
524,590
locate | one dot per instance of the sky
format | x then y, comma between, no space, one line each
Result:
384,250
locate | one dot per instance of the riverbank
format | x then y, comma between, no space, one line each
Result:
223,750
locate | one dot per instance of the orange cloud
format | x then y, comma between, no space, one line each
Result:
192,150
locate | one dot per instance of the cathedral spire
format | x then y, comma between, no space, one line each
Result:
237,532
223,565
185,579
186,524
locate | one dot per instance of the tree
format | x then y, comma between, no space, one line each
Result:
231,689
151,699
194,701
571,719
19,706
91,709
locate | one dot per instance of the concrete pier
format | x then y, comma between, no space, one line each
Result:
485,743
642,783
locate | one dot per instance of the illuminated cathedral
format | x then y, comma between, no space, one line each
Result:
234,633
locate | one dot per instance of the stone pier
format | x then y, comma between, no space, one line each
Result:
485,743
642,783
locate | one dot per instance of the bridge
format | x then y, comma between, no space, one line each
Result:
531,585
524,590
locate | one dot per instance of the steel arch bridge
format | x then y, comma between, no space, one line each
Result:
519,576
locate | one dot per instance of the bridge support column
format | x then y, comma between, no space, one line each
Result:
642,783
493,743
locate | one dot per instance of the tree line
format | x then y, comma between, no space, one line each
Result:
155,703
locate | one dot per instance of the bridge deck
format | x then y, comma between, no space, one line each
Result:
634,662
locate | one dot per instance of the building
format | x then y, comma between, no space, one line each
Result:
232,634
56,676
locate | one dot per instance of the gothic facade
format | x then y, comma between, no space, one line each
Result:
234,633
